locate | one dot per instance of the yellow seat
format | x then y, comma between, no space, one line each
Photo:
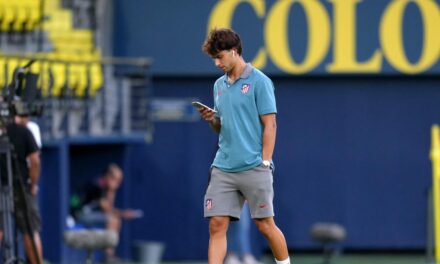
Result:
34,14
2,11
44,80
21,15
73,74
83,80
78,78
11,64
95,72
56,38
83,40
52,75
8,15
96,78
72,41
59,78
2,73
61,20
52,5
42,69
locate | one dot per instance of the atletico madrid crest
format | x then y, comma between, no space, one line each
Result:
208,204
245,88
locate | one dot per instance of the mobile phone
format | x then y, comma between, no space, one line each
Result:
199,105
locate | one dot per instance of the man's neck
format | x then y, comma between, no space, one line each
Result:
237,71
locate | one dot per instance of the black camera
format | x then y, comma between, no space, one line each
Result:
22,97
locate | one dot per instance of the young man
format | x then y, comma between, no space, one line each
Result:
245,120
26,121
98,205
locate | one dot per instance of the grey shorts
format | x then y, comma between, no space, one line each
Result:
21,215
227,192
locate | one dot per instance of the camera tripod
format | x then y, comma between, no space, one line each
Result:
7,205
10,183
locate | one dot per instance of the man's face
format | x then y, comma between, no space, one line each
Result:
21,120
114,179
225,60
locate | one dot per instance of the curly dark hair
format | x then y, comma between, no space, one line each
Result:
221,39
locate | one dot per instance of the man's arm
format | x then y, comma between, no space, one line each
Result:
34,171
269,135
215,125
107,202
107,205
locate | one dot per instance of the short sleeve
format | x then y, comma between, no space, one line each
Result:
265,97
215,94
30,143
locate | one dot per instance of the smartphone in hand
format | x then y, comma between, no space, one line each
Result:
199,105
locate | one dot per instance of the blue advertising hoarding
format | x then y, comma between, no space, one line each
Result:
286,37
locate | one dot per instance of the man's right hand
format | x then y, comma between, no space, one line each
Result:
207,114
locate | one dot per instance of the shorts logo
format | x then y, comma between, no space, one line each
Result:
262,205
245,88
208,204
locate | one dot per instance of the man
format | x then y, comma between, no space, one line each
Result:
244,116
98,204
24,120
27,216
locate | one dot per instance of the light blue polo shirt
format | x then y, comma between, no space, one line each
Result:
239,106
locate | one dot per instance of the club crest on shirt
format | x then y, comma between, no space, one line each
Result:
245,88
262,206
208,204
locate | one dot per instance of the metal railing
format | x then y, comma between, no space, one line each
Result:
89,98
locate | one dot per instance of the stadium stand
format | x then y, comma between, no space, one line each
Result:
88,98
70,66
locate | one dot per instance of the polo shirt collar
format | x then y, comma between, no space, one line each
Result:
247,71
245,74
